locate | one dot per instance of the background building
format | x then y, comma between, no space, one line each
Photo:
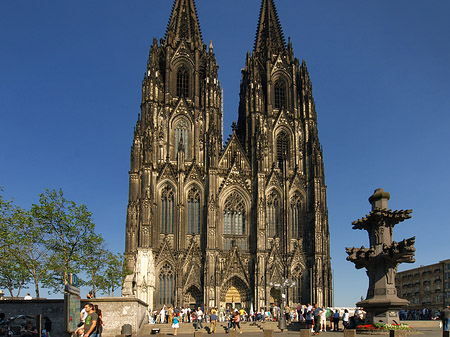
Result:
426,286
218,225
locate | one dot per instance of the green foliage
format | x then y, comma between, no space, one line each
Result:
55,238
66,227
114,273
13,274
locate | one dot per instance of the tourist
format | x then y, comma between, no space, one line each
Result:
221,314
309,317
345,319
236,320
199,318
100,323
175,324
91,322
317,311
445,316
336,320
323,321
212,321
90,295
47,326
28,330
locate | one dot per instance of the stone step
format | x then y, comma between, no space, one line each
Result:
189,328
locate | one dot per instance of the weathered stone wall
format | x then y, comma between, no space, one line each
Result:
116,311
53,309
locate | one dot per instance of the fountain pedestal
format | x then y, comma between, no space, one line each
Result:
382,258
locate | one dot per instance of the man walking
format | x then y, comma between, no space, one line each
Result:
90,324
212,321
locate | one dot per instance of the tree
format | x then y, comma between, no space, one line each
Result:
29,249
13,274
114,273
93,260
66,227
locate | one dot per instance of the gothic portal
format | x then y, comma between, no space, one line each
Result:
212,223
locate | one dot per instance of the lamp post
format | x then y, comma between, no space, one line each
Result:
282,286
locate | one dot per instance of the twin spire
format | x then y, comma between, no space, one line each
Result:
269,35
184,25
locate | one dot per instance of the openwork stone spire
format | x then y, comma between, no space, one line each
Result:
183,24
269,36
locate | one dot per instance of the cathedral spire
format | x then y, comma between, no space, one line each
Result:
269,35
183,24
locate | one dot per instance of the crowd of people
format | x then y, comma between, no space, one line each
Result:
313,317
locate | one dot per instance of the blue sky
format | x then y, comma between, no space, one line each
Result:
70,83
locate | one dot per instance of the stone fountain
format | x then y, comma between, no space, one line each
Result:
382,258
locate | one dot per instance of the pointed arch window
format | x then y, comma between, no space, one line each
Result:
167,210
234,222
274,215
182,137
295,215
193,213
280,94
166,285
282,148
183,82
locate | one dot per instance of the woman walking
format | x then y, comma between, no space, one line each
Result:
175,324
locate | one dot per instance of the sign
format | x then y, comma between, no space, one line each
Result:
71,304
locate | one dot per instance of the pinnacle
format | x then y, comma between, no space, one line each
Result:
269,35
183,23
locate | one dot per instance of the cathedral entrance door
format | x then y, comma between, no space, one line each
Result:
233,298
275,297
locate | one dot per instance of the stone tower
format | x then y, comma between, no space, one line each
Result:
215,224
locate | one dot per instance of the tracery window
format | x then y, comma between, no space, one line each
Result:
295,215
193,212
166,285
183,82
297,289
167,210
282,148
280,94
274,216
234,222
182,136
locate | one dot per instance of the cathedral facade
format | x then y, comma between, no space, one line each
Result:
219,224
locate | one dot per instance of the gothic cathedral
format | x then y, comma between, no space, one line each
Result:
219,224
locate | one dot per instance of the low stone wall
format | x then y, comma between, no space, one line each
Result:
116,311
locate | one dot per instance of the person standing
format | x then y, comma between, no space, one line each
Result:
212,321
90,324
47,325
445,316
336,320
317,311
162,314
345,319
